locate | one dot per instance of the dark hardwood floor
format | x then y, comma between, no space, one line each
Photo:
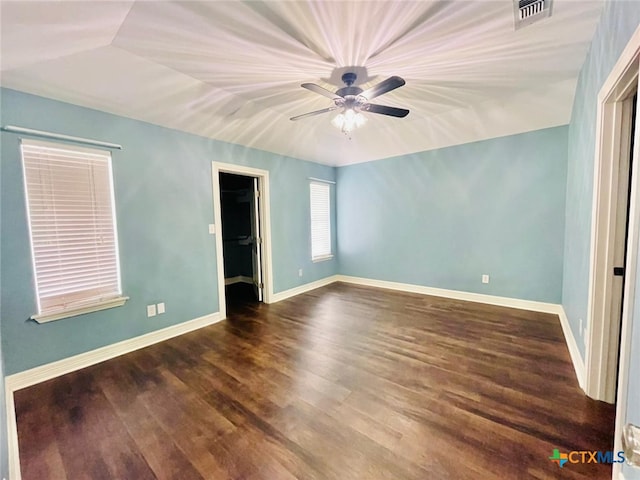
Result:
343,382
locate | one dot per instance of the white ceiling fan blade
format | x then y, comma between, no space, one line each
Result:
320,90
311,114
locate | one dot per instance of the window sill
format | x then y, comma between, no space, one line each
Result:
323,258
80,310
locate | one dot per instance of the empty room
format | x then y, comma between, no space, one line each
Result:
319,240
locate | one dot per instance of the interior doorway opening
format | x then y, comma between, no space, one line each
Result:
241,208
613,248
615,238
620,215
241,238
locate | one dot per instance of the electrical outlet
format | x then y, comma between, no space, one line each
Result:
485,278
300,272
161,308
151,310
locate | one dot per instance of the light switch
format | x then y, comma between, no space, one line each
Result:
151,310
212,229
161,308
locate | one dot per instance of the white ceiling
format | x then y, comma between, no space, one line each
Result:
232,70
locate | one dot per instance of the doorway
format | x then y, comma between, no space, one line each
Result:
621,237
243,240
614,237
611,307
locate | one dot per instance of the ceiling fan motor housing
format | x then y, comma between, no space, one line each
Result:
349,91
349,78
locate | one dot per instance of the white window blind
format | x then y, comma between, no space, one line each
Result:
72,226
320,220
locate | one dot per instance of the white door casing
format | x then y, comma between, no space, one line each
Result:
264,218
256,246
612,122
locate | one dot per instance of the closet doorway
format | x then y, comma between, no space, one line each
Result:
242,235
239,202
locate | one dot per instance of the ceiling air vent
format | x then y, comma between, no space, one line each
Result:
528,11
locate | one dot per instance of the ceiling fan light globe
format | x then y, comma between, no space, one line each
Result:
348,120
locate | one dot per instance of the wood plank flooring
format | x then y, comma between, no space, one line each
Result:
344,382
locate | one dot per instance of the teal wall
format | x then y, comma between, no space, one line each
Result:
618,22
443,218
163,194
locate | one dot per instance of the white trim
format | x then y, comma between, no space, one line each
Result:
61,367
572,345
265,223
307,287
617,86
530,305
627,57
455,294
13,455
553,308
628,60
60,136
42,373
72,312
238,279
322,258
314,179
76,362
628,309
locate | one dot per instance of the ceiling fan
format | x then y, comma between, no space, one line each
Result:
352,100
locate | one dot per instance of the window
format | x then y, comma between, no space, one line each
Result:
72,228
320,221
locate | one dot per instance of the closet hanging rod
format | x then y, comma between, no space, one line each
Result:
60,136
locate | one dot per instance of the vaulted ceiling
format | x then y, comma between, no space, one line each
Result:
232,70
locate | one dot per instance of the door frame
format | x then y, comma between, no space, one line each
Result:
264,217
611,121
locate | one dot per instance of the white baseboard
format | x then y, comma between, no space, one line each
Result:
572,345
411,288
46,372
277,297
13,455
238,279
42,373
531,305
455,294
